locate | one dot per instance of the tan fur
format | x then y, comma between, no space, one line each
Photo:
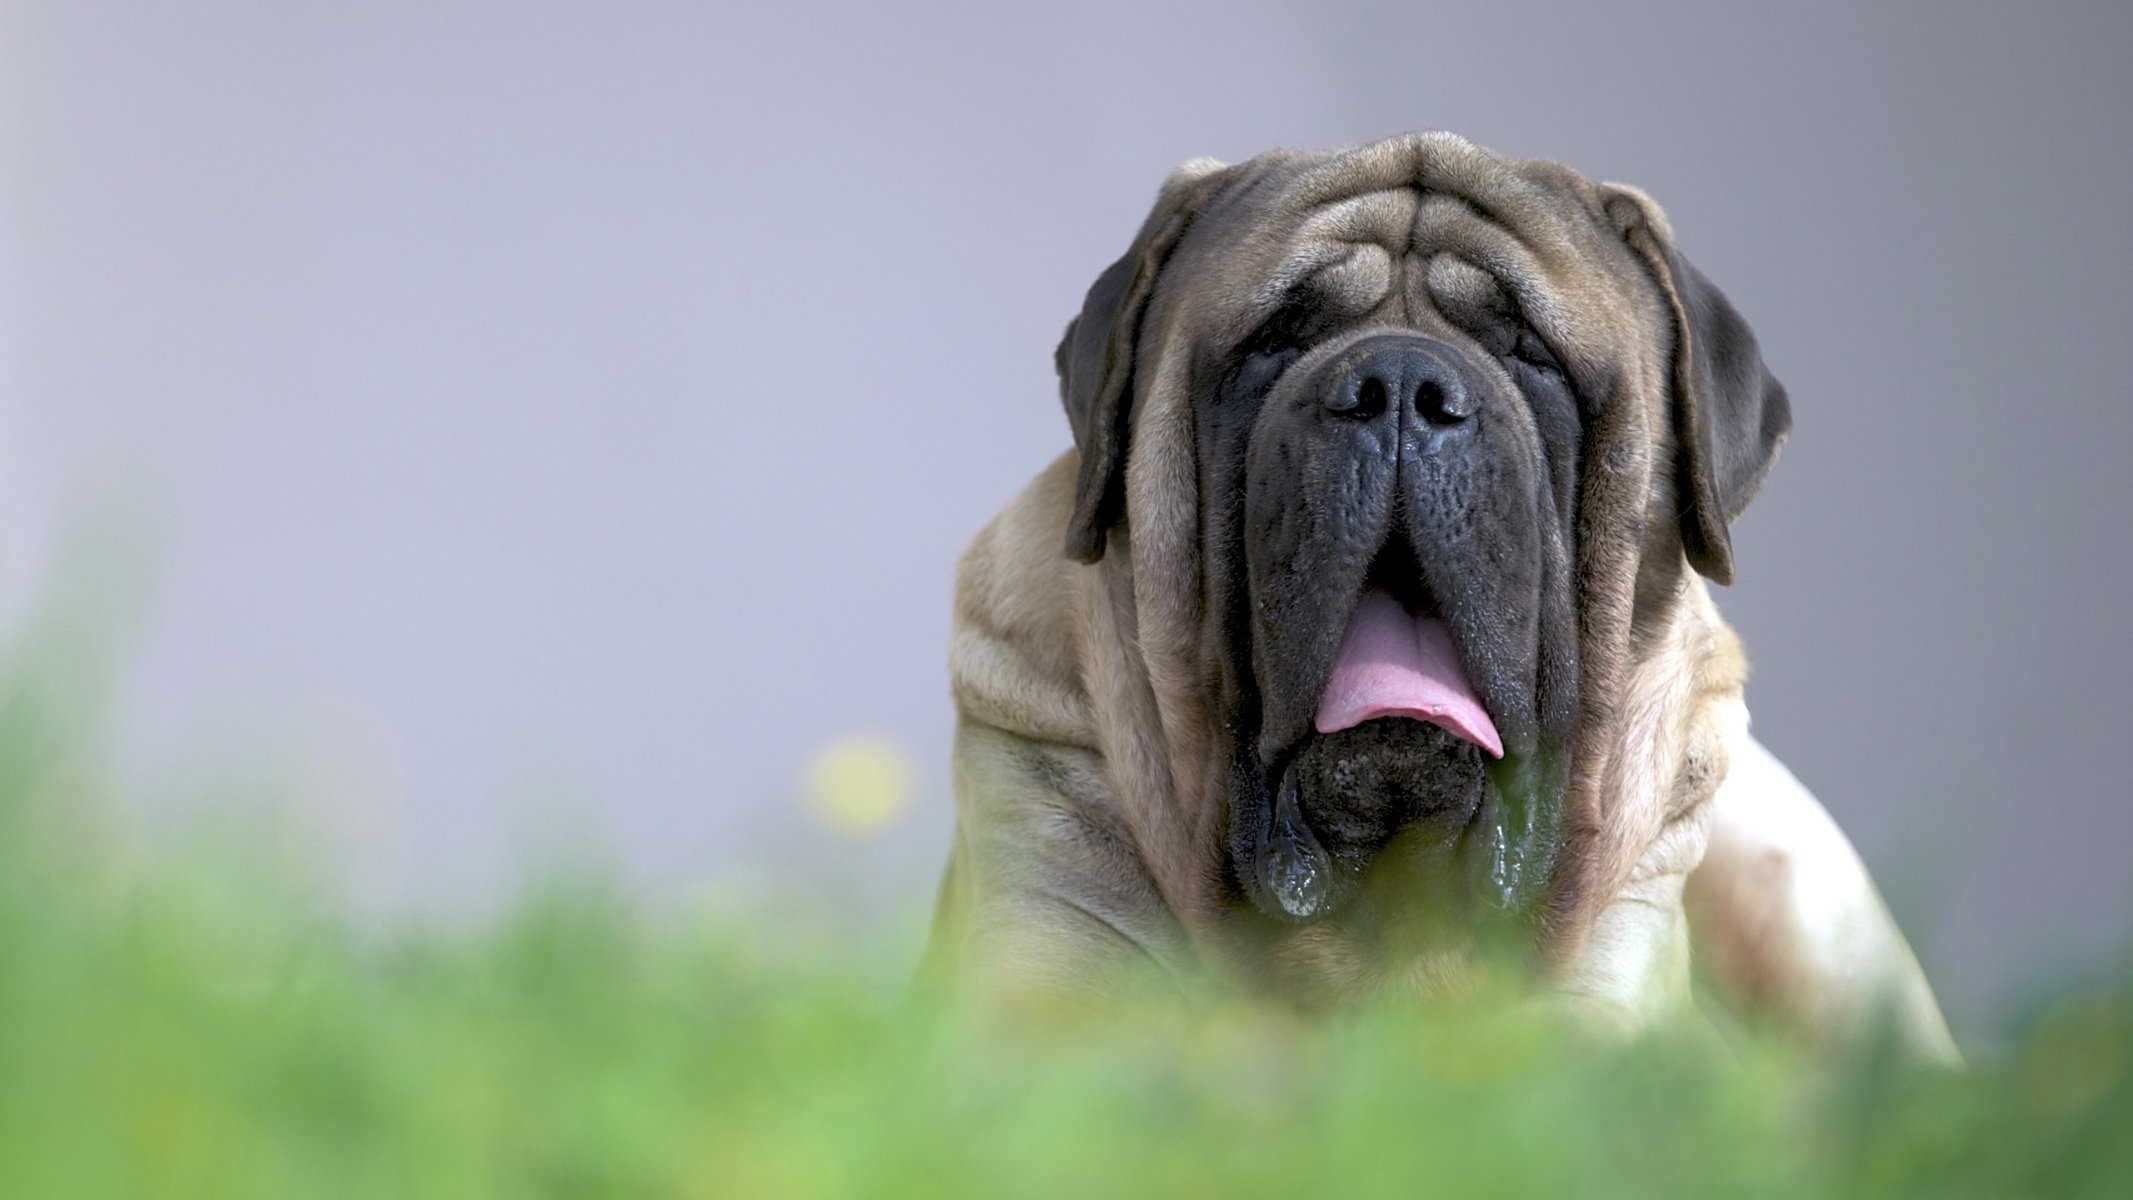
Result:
1090,820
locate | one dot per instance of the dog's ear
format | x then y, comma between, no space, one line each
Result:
1730,414
1096,358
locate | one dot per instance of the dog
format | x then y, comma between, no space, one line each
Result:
1366,624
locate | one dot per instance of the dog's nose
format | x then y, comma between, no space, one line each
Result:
1402,375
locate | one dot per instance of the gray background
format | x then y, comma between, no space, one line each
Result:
577,409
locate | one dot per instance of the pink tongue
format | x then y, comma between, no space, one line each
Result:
1395,664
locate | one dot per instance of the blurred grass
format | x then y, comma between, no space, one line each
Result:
204,1021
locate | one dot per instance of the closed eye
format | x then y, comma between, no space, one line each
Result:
1258,369
1531,350
1270,350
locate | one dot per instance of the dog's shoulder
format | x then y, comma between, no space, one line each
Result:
1786,922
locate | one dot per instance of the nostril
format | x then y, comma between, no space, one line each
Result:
1434,403
1370,399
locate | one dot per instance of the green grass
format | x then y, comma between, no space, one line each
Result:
205,1021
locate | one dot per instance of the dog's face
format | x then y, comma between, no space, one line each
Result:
1452,421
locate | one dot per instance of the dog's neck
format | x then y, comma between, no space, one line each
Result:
1624,943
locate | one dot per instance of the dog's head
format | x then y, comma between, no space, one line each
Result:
1411,445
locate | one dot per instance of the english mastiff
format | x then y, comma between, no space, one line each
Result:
1367,621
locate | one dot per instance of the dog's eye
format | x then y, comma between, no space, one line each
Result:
1532,351
1270,350
1259,367
1547,390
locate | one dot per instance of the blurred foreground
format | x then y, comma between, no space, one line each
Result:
206,1021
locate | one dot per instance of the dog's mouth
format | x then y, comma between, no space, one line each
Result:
1397,660
1404,767
1404,687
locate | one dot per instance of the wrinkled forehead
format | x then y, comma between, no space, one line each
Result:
1388,229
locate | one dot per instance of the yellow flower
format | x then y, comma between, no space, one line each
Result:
859,785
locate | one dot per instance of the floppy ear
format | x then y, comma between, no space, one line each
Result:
1095,359
1730,414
